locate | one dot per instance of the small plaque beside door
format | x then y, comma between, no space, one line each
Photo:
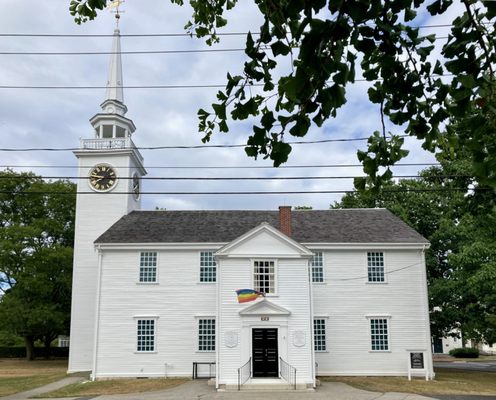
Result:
231,339
299,338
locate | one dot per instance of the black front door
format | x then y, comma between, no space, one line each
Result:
265,356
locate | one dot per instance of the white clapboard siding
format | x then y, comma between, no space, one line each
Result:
347,302
292,294
178,300
95,213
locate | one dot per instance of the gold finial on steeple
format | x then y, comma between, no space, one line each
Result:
115,4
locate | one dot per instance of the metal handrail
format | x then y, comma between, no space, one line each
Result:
288,372
244,373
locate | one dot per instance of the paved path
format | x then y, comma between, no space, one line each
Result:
464,397
484,366
196,390
44,389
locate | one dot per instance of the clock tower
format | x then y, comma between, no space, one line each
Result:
110,170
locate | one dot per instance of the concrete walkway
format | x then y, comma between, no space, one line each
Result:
195,390
44,389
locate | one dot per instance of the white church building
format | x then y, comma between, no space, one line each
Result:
154,292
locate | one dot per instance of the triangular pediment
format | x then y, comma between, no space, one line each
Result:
264,240
264,307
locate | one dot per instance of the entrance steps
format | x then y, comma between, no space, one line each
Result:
266,385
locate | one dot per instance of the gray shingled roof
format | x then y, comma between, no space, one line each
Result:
309,226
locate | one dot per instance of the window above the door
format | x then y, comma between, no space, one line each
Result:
264,276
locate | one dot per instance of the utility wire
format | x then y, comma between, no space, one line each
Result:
180,34
243,192
206,86
225,166
131,52
385,273
89,53
214,86
248,178
210,146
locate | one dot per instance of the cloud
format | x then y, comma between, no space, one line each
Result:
59,118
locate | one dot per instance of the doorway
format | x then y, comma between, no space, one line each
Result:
265,353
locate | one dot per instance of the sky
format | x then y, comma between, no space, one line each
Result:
41,118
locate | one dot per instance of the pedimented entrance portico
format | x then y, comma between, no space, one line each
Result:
275,330
264,337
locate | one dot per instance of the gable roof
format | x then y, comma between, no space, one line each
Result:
264,307
309,226
274,234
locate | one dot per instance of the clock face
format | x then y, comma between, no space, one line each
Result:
136,186
103,178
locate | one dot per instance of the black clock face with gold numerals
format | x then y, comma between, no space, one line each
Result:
103,178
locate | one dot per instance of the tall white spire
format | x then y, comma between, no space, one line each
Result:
114,82
111,121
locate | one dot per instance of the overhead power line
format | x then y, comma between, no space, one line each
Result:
203,146
287,192
51,87
224,166
99,87
386,273
161,34
242,178
91,53
97,35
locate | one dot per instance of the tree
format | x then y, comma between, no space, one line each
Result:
326,41
460,225
36,241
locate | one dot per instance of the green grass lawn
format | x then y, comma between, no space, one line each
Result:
114,386
446,382
19,375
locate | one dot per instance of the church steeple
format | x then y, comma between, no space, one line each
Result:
111,122
114,82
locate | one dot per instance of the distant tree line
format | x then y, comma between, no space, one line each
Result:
36,249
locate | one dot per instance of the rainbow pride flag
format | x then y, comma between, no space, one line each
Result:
246,295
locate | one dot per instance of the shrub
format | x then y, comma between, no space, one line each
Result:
466,352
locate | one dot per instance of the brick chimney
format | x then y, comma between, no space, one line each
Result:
285,220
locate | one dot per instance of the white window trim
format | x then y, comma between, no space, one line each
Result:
387,317
157,276
155,333
276,275
198,318
199,268
326,319
324,280
384,258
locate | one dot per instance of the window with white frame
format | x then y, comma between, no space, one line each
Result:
145,335
379,335
148,267
375,266
208,267
264,276
319,334
206,334
317,264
